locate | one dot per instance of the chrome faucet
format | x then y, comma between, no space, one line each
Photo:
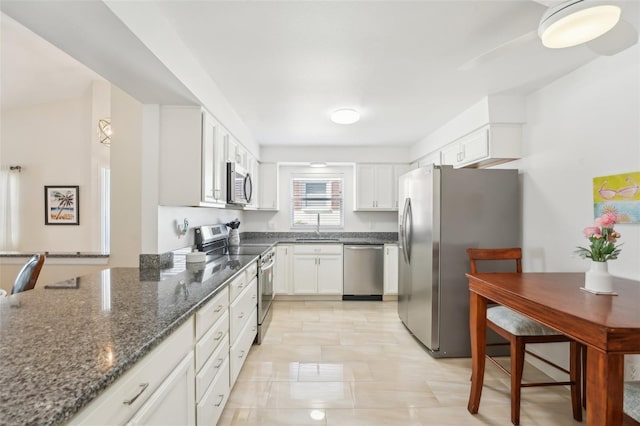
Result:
318,226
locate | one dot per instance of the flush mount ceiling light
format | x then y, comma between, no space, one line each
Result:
345,116
576,21
317,164
104,131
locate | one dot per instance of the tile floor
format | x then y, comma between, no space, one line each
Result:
354,363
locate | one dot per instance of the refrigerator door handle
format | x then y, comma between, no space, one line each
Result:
408,229
406,249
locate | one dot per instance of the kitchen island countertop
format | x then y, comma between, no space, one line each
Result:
60,348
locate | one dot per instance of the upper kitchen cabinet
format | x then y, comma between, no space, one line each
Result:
398,170
191,164
376,186
268,194
487,146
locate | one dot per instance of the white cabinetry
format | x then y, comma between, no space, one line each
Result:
430,158
189,158
268,194
212,353
317,269
398,170
489,145
282,272
243,314
158,379
172,403
376,187
390,269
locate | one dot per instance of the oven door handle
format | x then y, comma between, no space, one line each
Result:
269,266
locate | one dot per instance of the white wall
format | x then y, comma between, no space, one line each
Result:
257,221
583,125
54,144
126,179
169,239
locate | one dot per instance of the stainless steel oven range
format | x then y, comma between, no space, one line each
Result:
214,240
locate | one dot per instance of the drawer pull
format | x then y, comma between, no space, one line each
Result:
241,355
241,285
219,336
219,364
218,309
143,387
241,315
221,399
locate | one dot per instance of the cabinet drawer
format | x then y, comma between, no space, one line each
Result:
211,368
240,349
211,311
317,249
172,403
251,271
211,340
125,397
240,310
236,286
208,411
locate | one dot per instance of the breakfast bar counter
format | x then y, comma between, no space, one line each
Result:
61,347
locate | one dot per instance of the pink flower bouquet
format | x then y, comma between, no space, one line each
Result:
602,238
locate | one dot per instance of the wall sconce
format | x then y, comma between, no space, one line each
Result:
104,131
183,227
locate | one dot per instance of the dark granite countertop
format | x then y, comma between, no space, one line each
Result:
69,254
249,238
60,348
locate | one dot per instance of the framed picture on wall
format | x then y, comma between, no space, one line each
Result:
61,205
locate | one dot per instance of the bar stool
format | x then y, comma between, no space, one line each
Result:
519,330
28,275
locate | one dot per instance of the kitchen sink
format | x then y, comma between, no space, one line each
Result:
317,240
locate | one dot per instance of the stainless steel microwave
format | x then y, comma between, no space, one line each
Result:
239,184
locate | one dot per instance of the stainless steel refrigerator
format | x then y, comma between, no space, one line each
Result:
443,211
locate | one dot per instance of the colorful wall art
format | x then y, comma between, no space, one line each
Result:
618,194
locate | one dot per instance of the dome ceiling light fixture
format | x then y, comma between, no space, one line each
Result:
345,116
575,22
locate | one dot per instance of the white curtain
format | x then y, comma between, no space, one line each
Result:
8,209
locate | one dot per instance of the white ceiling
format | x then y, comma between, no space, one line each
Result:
33,71
285,65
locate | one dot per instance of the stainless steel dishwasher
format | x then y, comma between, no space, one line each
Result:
363,272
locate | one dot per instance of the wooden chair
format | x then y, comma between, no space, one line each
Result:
28,275
519,330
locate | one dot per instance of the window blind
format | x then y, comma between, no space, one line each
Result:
312,195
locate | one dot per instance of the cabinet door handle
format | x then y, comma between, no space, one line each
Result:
241,315
241,355
219,336
318,261
219,363
218,309
241,285
143,387
221,399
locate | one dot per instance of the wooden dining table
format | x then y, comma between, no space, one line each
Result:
608,325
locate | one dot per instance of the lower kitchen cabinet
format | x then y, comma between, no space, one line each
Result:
317,269
210,408
391,269
159,379
172,403
282,281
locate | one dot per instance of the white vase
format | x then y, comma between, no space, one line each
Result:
234,237
597,279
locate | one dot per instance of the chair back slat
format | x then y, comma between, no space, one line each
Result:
513,253
28,275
